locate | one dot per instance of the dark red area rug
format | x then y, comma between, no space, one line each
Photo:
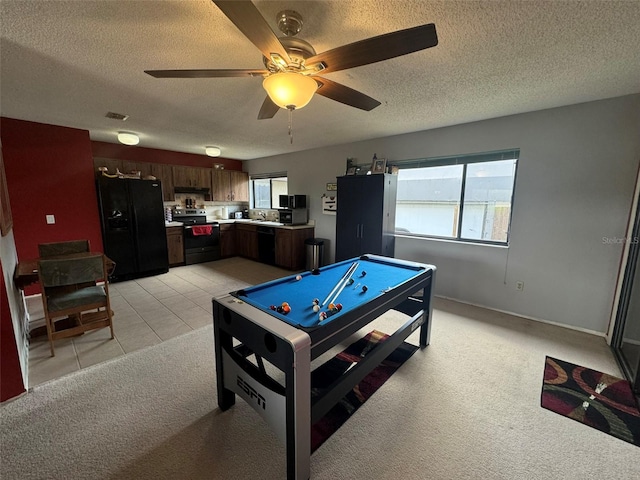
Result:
593,398
324,375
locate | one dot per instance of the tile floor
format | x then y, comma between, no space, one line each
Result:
147,311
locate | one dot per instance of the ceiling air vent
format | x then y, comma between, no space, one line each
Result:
117,116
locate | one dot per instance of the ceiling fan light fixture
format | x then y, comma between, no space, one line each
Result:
212,151
128,138
290,90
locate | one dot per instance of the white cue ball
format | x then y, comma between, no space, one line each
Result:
316,308
298,277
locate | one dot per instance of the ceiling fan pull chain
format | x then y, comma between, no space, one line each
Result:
290,125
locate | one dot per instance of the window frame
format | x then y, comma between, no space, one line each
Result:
265,176
465,160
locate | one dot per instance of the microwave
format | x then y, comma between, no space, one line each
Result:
293,201
298,216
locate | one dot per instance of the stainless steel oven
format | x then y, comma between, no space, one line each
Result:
201,238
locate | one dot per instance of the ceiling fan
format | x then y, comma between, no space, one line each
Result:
292,66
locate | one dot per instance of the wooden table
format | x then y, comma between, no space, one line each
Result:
27,270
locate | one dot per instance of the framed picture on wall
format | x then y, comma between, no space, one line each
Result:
379,165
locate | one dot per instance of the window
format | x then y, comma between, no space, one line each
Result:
266,190
464,198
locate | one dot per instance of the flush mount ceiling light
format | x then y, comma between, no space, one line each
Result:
212,151
128,138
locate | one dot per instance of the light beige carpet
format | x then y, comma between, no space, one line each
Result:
466,407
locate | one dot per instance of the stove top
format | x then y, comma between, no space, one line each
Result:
189,212
191,216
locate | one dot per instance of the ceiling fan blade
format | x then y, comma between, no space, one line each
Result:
206,73
252,24
376,49
268,109
348,96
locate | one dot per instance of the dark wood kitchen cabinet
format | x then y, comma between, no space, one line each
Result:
191,177
247,240
290,248
227,240
230,186
175,245
164,173
366,215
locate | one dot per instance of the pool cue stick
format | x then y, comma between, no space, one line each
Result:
344,279
342,288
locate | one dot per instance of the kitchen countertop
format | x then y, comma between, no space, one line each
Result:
251,222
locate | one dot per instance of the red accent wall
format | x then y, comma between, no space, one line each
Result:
141,154
11,382
49,171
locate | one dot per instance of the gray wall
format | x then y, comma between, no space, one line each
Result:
574,188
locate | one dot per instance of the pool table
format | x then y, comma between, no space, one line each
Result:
291,340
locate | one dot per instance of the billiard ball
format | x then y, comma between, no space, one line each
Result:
322,316
316,301
316,308
272,307
315,271
284,304
279,309
331,306
339,306
286,309
298,277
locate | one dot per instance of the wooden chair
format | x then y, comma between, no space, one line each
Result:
70,289
46,250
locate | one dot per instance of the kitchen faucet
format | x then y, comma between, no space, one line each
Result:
263,215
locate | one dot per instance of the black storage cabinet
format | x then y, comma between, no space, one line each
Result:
366,215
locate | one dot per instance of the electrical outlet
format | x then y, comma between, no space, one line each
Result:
520,286
51,219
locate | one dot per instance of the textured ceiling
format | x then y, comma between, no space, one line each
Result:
70,62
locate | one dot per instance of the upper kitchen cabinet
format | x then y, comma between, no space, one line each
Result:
164,173
230,186
191,177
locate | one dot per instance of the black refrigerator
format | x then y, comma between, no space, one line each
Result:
133,229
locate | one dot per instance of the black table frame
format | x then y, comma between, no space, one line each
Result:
288,408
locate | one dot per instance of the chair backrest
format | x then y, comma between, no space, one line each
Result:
46,250
60,272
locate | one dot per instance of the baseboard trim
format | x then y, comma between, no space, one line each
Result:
535,319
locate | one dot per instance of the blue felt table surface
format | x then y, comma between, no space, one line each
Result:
381,275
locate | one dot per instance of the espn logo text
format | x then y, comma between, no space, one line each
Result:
249,390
